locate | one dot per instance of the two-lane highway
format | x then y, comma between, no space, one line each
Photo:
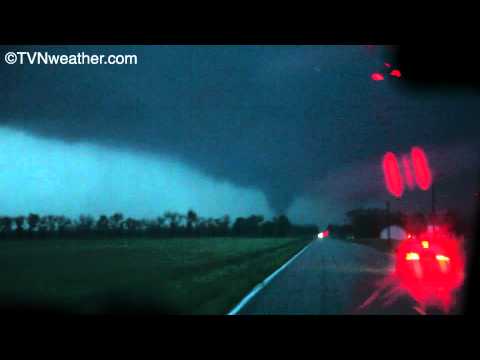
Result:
329,277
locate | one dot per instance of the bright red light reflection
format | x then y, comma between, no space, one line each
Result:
377,77
396,73
391,171
423,175
430,274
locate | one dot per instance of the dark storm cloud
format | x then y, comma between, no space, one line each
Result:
280,119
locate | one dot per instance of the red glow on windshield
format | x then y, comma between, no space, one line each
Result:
393,178
396,73
423,175
430,274
377,77
429,268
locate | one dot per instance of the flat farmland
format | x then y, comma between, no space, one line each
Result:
138,275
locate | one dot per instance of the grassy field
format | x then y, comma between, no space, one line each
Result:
178,276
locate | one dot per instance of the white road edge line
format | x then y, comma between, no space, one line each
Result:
265,282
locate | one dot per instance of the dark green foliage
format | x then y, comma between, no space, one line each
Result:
363,223
368,223
33,221
171,224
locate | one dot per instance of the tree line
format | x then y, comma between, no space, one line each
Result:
171,224
368,223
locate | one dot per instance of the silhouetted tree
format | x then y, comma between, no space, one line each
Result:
103,224
86,224
368,223
282,225
132,225
248,226
173,220
43,226
116,222
201,228
63,223
160,221
143,226
192,219
222,225
5,225
19,221
268,228
171,224
158,226
33,220
239,226
51,223
340,231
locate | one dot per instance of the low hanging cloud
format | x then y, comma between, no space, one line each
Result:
53,177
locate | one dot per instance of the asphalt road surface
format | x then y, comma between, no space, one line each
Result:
329,277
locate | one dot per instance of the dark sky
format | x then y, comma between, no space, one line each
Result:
304,125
